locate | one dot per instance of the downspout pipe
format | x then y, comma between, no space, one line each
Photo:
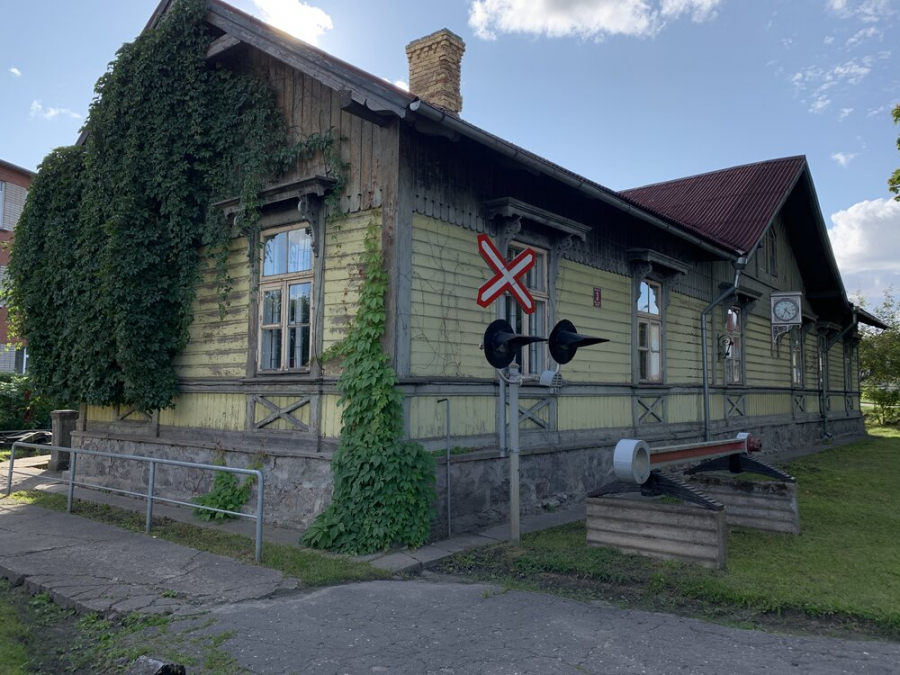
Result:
739,266
827,373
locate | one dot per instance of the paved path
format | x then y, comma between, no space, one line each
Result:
100,568
420,626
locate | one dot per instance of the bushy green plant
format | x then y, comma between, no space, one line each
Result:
383,487
105,261
885,401
227,493
20,406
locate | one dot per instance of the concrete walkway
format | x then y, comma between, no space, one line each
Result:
422,626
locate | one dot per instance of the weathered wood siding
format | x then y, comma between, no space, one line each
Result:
344,244
611,361
447,326
217,345
311,107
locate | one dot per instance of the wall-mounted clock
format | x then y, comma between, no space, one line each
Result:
787,312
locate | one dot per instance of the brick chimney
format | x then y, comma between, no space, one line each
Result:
434,65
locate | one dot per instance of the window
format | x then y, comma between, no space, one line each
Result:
649,332
285,293
796,357
734,347
532,358
767,254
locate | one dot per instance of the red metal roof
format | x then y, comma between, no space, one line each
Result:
731,206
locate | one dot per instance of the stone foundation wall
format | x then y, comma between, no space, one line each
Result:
297,488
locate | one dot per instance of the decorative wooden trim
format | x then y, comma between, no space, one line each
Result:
735,406
221,45
654,410
278,412
526,414
507,207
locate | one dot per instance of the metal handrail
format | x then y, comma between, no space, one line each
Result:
149,496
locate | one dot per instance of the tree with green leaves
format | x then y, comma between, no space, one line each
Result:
894,181
879,360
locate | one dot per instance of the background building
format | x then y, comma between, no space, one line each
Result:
14,184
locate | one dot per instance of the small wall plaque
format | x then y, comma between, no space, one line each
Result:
598,299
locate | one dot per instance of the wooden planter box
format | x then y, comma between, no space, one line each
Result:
635,524
761,505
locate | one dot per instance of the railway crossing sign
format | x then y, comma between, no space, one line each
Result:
506,275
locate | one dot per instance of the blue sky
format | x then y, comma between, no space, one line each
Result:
625,92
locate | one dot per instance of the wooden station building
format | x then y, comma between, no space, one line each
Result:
743,250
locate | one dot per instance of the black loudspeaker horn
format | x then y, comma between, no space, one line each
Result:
501,344
565,341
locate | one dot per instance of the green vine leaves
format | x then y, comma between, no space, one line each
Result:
105,265
383,487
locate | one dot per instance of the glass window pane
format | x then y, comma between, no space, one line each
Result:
643,358
654,337
299,251
298,347
271,349
275,261
655,366
537,275
653,298
271,307
732,321
643,340
644,298
298,310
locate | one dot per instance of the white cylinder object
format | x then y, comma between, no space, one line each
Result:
631,461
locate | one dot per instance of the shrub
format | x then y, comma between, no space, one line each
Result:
20,406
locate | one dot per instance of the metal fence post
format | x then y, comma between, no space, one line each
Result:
12,460
73,461
151,481
259,515
514,381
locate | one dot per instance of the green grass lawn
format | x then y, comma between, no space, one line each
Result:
14,637
843,569
313,568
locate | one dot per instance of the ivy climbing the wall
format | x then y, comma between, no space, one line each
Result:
106,257
383,487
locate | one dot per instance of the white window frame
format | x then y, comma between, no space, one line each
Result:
283,283
533,359
734,347
798,374
652,320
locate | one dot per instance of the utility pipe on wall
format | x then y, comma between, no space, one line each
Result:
826,372
739,266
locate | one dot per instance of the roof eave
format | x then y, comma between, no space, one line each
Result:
590,189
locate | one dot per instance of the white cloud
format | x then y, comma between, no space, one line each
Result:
845,113
49,113
403,84
296,18
869,11
843,158
828,39
820,105
864,34
866,243
15,72
875,112
587,19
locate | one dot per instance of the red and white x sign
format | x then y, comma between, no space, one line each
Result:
507,275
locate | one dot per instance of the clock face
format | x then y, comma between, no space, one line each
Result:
786,310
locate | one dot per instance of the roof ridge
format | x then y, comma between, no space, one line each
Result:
714,172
